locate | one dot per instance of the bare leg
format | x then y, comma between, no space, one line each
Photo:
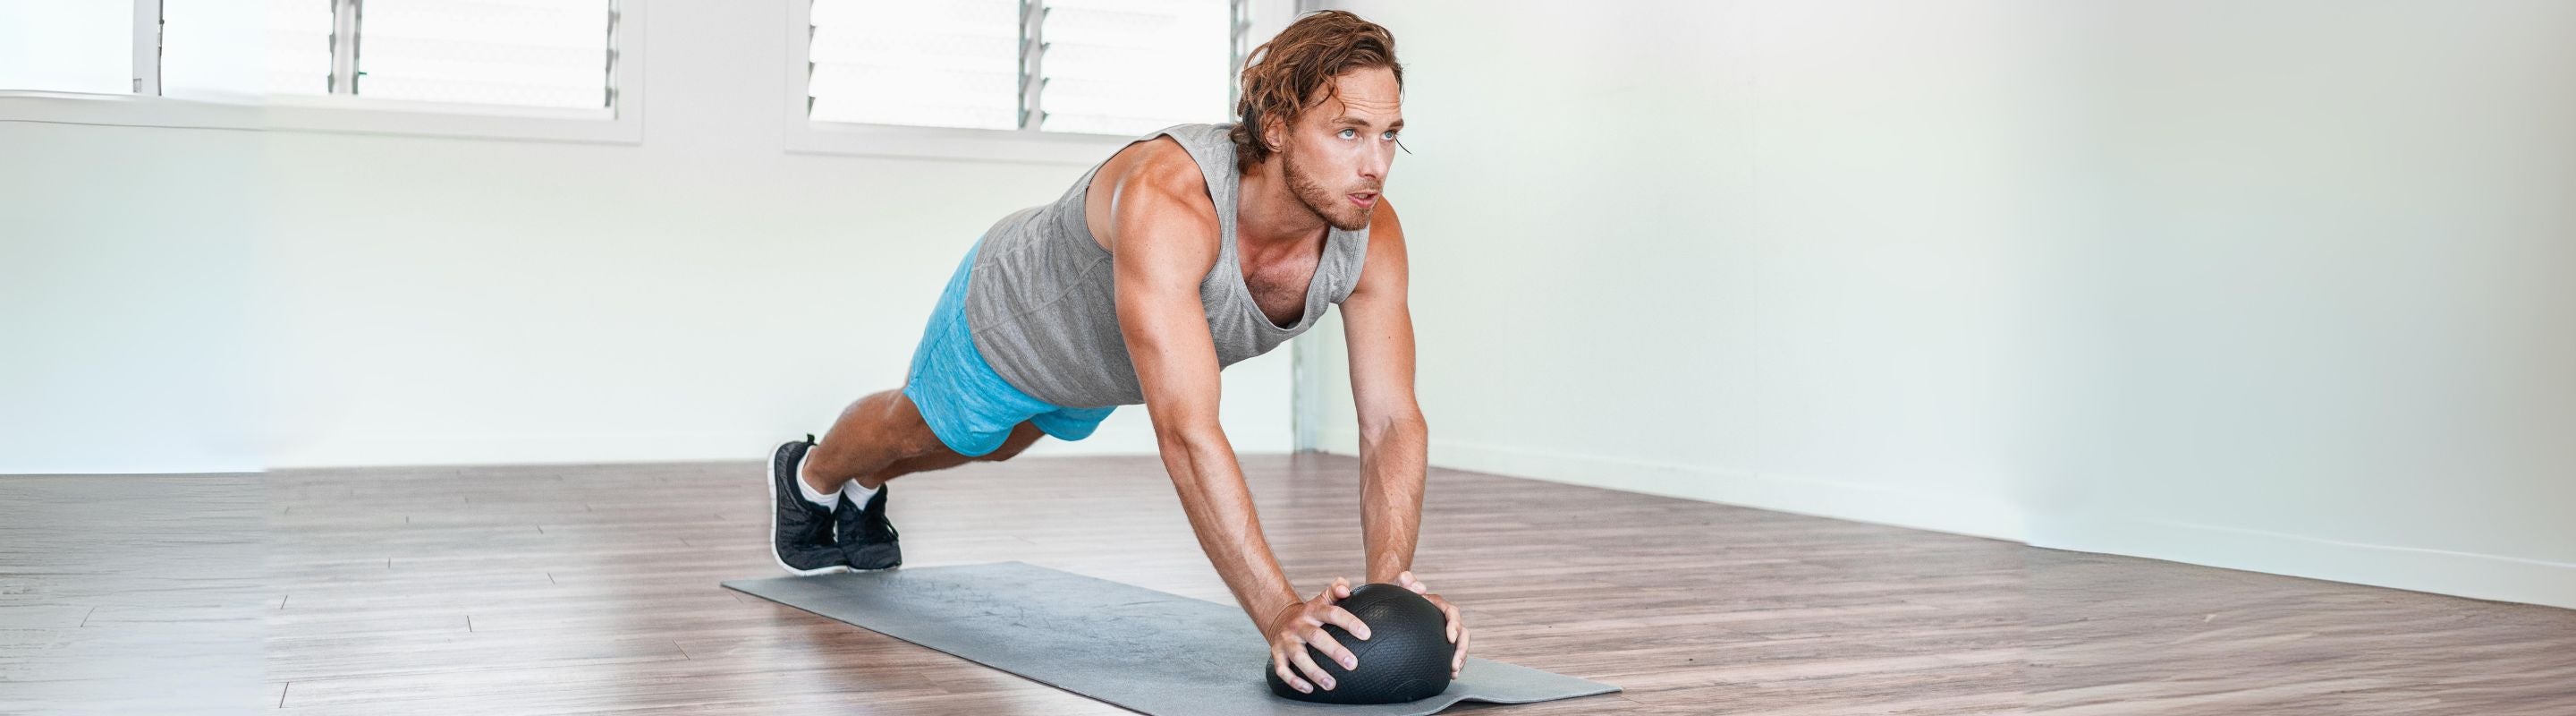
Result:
882,436
1021,437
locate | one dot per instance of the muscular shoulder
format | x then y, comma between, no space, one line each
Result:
1160,163
1153,184
1382,271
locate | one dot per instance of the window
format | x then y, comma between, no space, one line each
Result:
532,69
1053,80
240,50
298,57
67,46
952,64
526,53
1133,66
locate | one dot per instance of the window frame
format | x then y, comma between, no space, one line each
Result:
1027,144
622,122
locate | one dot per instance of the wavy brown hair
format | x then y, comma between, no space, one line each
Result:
1282,75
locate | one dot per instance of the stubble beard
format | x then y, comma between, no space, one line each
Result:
1334,210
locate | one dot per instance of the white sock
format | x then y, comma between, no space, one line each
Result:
859,496
828,500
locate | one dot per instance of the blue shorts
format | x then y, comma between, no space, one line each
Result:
968,406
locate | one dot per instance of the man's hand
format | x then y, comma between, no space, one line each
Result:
1457,627
1302,625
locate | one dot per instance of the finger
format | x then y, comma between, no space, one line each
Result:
1280,666
1455,628
1459,663
1324,642
1331,593
1306,665
1417,587
1348,622
1342,587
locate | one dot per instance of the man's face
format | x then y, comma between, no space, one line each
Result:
1337,155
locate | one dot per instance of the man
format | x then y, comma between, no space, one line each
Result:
1188,250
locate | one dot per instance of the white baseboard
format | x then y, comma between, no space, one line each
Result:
2459,574
2463,574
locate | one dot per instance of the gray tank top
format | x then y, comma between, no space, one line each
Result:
1039,299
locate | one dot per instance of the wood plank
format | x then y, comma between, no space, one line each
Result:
592,588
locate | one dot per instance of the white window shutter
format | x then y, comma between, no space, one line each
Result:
529,53
299,47
67,45
939,64
1106,66
1134,66
245,48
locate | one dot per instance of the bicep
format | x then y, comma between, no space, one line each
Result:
1163,254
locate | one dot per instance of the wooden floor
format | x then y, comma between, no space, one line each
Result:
593,589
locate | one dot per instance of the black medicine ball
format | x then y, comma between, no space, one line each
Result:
1406,657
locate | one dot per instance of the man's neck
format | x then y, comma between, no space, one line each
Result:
1270,216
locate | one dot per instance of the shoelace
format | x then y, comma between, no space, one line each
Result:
876,527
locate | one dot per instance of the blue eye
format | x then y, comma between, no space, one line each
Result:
1389,136
1350,133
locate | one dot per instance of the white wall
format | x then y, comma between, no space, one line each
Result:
2330,309
416,300
2279,286
1753,253
124,261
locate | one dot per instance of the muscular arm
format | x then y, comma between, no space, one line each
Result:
1163,231
1393,437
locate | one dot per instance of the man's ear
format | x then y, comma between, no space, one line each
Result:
1274,133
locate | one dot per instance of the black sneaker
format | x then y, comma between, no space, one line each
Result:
800,532
866,537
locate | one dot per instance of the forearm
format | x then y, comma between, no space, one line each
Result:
1210,482
1393,460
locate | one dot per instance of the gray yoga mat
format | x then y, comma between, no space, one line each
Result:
1153,652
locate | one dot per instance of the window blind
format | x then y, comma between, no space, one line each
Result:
1103,66
245,48
1134,66
67,45
941,64
531,53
